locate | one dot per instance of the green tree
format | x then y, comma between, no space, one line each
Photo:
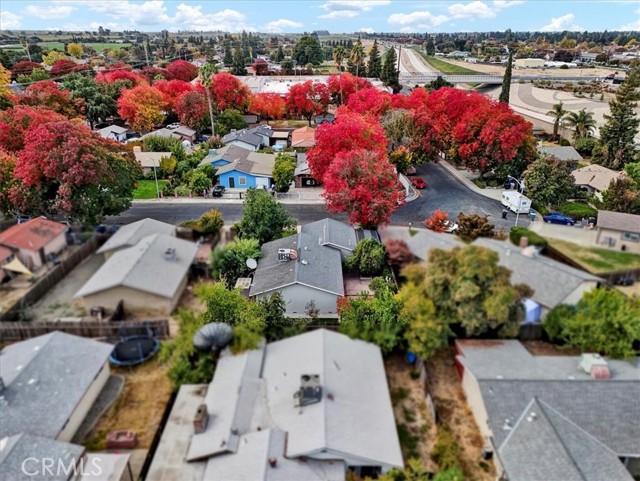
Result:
398,127
356,57
339,56
464,286
278,325
229,120
369,258
401,158
229,262
377,320
633,170
617,135
208,223
284,171
438,83
37,75
472,226
228,55
582,123
557,112
198,182
99,99
238,67
506,82
205,75
430,47
549,182
604,321
308,50
263,217
374,66
622,195
389,73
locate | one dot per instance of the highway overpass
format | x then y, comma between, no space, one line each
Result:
411,79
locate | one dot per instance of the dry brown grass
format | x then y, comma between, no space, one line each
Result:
139,408
454,413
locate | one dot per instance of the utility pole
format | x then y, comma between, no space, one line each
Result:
146,53
399,57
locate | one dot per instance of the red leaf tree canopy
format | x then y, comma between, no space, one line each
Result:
261,67
370,102
269,105
438,221
151,73
227,92
62,67
342,86
182,70
116,75
65,168
350,131
365,186
171,90
49,95
308,99
192,110
16,121
24,67
142,107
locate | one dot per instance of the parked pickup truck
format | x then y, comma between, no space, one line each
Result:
516,202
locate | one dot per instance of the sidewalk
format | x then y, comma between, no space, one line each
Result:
466,177
576,235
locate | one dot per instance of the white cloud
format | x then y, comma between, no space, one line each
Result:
407,30
471,11
9,21
366,30
631,26
191,18
340,14
49,13
507,3
558,24
86,27
421,20
150,12
349,8
278,26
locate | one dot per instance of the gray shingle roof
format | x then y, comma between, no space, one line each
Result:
116,129
551,281
252,136
596,176
332,233
130,234
244,160
184,130
16,449
569,453
144,267
618,221
45,378
561,153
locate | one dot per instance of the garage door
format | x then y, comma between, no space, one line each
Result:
262,182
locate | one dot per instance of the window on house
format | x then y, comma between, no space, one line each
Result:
631,236
242,181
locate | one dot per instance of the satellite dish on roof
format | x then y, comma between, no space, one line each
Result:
252,263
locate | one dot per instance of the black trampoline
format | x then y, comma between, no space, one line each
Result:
134,350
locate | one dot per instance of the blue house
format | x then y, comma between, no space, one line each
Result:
241,168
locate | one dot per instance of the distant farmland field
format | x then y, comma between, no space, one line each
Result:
99,47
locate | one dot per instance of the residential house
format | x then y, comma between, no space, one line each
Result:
304,137
49,383
130,234
321,119
553,418
148,277
566,154
35,241
238,167
302,174
186,134
250,139
307,266
251,119
620,231
6,256
308,407
281,138
595,178
149,160
114,132
163,132
585,57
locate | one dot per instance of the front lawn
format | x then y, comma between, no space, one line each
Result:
146,189
595,259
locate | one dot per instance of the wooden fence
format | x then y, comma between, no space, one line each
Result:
18,331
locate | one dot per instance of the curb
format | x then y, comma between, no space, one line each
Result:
468,184
188,200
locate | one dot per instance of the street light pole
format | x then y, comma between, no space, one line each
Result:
521,186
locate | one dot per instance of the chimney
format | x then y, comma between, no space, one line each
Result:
273,462
170,254
137,148
201,419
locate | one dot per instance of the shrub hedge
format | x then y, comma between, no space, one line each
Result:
534,239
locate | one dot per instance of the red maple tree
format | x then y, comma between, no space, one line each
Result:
342,86
15,122
398,252
438,221
261,67
62,67
192,110
116,75
171,90
370,102
308,99
47,94
24,67
182,70
227,92
268,105
365,186
350,131
142,107
152,73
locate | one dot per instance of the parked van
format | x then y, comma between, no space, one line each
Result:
516,202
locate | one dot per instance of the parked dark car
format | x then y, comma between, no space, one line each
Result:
624,281
555,218
218,190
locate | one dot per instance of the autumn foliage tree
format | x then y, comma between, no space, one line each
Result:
50,96
62,67
15,122
227,92
142,107
350,131
260,67
122,74
171,90
66,169
192,111
182,70
342,86
370,102
308,99
398,252
23,67
152,73
267,105
438,221
365,186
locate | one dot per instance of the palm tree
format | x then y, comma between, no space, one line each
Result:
582,122
338,57
205,75
356,56
557,112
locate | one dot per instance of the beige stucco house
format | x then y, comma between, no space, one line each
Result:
619,231
33,241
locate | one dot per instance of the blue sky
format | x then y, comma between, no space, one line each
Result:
334,15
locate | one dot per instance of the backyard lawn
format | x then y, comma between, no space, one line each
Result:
446,67
146,189
596,260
